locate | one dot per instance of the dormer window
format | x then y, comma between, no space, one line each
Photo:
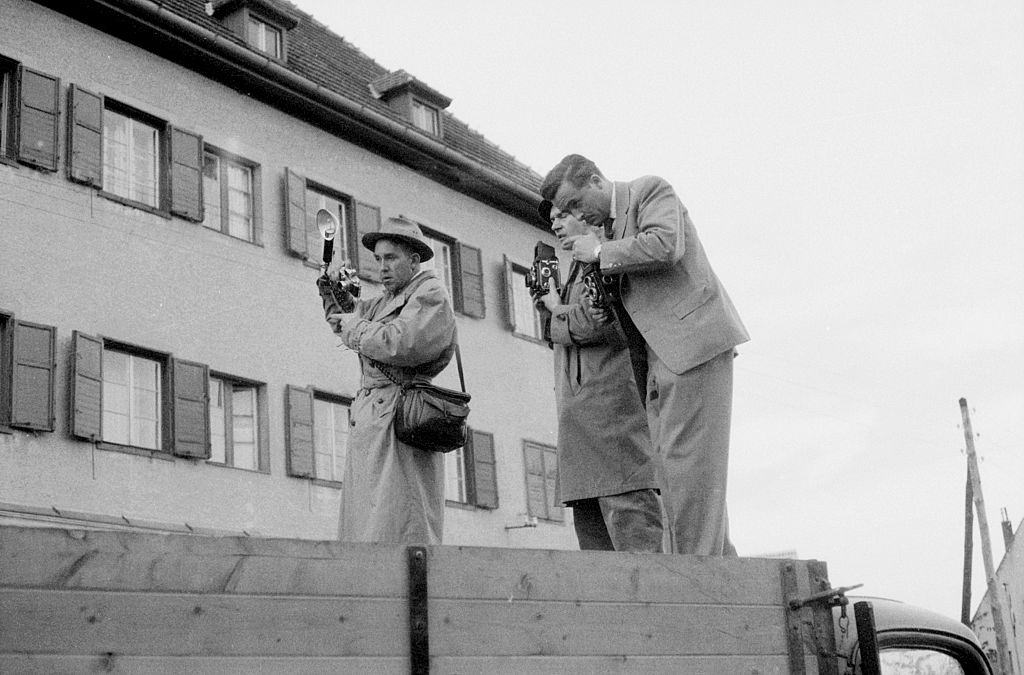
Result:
261,23
266,38
414,100
426,117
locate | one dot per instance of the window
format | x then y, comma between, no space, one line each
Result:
316,434
133,157
426,117
459,267
470,476
132,402
265,38
27,366
330,438
522,316
303,198
234,423
541,462
263,24
29,105
137,400
230,195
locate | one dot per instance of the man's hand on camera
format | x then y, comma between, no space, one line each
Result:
337,321
550,299
598,314
584,247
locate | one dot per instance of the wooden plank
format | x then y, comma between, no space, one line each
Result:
57,558
528,665
493,573
535,627
29,664
82,622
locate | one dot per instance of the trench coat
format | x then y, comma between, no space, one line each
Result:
604,446
393,492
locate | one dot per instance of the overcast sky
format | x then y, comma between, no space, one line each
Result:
856,173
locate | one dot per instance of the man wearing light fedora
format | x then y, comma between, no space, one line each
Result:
393,491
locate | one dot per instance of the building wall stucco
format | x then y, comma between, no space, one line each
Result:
79,261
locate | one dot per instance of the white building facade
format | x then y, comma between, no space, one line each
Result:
165,362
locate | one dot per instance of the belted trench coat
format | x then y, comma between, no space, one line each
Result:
393,492
604,446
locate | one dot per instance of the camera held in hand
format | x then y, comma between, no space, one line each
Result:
345,289
545,267
599,288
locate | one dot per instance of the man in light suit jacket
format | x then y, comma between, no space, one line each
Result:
676,311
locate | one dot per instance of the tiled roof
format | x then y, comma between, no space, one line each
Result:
326,59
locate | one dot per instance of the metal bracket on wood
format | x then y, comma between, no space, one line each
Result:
809,627
419,642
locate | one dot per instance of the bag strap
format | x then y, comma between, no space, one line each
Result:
389,371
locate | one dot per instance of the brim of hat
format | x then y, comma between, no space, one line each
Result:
370,240
544,211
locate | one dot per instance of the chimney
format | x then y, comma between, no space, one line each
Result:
1007,530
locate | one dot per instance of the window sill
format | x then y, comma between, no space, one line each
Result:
530,338
236,468
4,429
465,506
134,204
132,450
9,161
323,482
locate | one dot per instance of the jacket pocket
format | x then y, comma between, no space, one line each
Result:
693,300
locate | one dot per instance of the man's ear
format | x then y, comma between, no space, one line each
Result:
596,180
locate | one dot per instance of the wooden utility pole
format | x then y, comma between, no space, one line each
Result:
1003,662
965,598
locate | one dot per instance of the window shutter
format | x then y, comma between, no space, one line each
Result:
190,391
186,174
485,480
299,410
536,503
86,386
471,282
295,213
367,220
510,302
34,363
38,106
85,137
551,483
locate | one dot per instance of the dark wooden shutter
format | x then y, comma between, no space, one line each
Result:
367,220
299,411
38,106
186,174
471,282
85,137
551,483
34,363
533,459
190,391
86,386
295,213
510,303
485,479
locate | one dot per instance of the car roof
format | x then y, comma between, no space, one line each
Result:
893,615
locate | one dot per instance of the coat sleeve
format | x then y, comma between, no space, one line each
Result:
659,240
421,331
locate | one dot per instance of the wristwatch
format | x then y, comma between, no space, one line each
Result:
597,254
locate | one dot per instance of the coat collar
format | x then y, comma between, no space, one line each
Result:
397,301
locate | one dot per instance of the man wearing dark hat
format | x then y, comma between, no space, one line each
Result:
393,492
606,467
676,311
